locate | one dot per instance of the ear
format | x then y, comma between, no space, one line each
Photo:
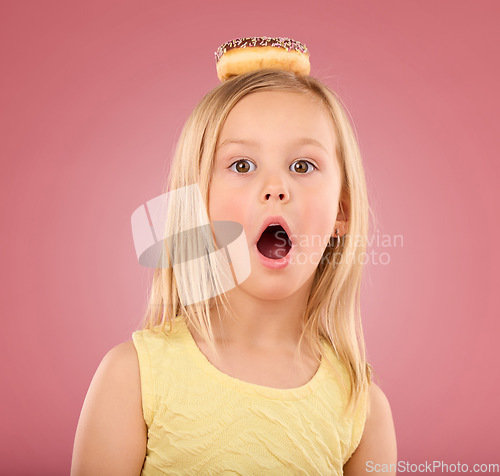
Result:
341,222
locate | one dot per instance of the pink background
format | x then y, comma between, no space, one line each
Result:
93,97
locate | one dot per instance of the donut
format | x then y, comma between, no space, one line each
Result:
243,55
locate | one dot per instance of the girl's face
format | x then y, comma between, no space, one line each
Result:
275,162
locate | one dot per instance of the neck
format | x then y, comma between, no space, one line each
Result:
256,323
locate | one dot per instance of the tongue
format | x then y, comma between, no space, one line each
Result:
274,243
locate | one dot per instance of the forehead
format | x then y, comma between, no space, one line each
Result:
279,114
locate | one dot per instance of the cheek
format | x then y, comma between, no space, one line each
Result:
319,218
323,205
226,203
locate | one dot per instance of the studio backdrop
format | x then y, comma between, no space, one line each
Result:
93,96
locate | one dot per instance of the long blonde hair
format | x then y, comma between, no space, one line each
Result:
333,307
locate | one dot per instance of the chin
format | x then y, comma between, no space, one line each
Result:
270,289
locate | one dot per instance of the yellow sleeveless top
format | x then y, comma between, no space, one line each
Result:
203,421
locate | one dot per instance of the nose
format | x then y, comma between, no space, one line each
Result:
275,189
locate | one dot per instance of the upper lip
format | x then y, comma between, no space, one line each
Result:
273,220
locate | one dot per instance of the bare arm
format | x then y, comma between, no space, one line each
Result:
378,443
111,435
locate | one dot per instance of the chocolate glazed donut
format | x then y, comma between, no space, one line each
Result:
243,55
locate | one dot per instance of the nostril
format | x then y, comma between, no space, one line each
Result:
281,196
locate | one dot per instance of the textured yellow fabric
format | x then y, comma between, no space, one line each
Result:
203,421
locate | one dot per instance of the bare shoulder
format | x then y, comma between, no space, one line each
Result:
119,369
111,435
122,355
377,448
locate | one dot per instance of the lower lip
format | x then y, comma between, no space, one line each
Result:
274,263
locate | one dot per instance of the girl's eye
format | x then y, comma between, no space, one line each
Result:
302,167
242,166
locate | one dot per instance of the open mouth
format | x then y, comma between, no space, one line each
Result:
274,242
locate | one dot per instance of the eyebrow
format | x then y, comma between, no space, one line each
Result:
300,141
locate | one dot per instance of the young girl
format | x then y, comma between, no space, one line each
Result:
269,377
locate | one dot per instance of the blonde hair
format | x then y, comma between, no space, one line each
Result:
333,307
